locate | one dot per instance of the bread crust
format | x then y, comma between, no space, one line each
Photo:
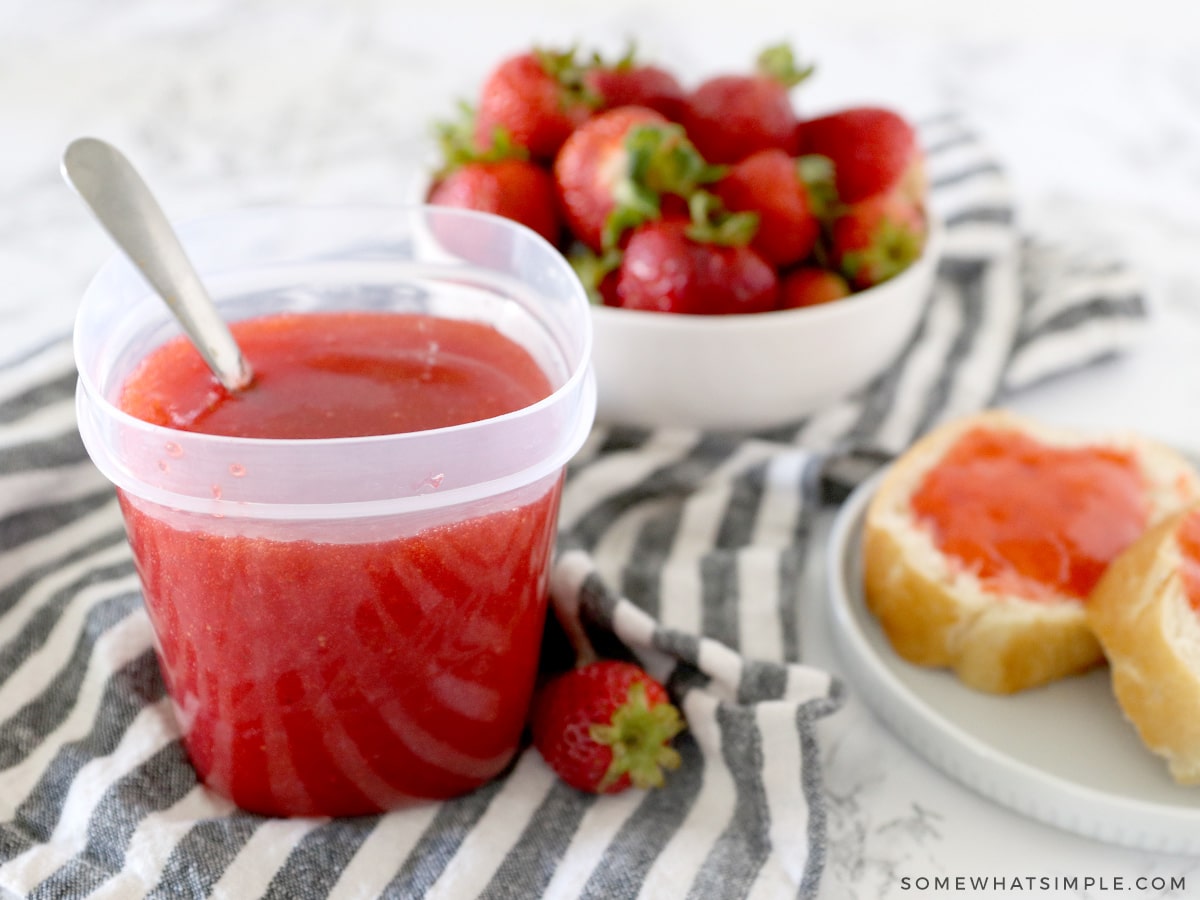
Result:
936,614
1151,636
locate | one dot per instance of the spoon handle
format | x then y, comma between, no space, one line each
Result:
114,191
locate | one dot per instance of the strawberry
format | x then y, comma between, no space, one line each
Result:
629,83
537,99
877,238
674,265
513,188
731,116
787,194
874,151
614,169
605,726
498,180
811,286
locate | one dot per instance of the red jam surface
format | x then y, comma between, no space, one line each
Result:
337,677
1031,519
322,375
1188,536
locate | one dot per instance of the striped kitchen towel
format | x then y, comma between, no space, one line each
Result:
684,549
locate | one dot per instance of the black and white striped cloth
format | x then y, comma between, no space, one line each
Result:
683,548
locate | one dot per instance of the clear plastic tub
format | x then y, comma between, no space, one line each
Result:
345,624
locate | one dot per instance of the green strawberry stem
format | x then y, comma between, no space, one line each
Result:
635,204
892,251
593,268
563,66
638,737
778,63
712,223
623,64
816,173
456,139
659,160
662,157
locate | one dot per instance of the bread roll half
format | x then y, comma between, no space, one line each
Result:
1150,633
937,611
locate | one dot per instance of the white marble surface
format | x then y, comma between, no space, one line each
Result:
1093,107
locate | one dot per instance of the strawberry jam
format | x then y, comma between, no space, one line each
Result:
1030,519
1188,536
323,375
337,674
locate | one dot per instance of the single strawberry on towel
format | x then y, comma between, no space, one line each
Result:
606,726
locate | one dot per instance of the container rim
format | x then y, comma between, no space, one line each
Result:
92,405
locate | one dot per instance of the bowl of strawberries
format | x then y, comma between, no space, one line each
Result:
748,266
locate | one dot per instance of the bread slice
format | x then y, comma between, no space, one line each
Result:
936,611
1151,635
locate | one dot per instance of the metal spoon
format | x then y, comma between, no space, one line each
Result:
110,185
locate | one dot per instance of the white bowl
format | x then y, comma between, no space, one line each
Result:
755,370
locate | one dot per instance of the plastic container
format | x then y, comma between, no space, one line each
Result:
346,624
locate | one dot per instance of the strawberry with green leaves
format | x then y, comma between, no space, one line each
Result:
873,150
789,196
729,117
606,726
877,238
499,180
701,266
628,82
537,99
614,171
